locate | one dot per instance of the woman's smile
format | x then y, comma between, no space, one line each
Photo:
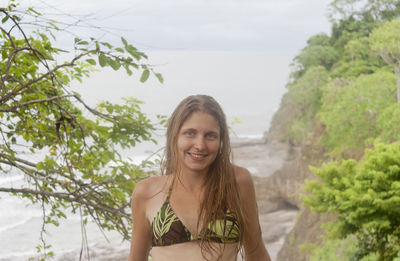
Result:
197,156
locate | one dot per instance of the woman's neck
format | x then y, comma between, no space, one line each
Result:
191,182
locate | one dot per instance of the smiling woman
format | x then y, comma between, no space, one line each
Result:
203,206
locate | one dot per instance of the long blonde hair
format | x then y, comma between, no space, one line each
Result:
220,189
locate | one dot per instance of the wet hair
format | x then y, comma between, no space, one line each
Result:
220,188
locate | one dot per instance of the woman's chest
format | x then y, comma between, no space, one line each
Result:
178,206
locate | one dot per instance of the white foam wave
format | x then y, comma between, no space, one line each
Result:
10,179
14,225
250,136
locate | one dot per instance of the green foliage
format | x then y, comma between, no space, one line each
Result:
359,9
334,250
351,29
350,109
385,40
300,105
357,59
70,160
348,81
306,91
388,124
305,95
318,52
366,197
346,55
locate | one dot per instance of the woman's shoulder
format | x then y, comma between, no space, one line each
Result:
242,175
244,181
147,188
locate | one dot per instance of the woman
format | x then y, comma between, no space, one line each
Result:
203,207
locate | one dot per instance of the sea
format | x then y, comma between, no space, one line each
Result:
248,86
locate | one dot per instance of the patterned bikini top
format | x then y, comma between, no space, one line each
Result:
168,229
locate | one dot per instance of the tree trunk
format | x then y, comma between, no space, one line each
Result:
397,71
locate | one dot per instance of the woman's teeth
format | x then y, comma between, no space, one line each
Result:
197,155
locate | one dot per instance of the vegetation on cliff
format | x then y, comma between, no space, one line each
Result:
344,96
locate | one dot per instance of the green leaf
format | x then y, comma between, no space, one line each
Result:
159,77
106,44
145,75
5,19
128,71
102,60
40,166
91,61
115,64
34,11
83,43
124,41
133,51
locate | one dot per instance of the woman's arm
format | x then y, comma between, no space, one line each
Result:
254,247
141,231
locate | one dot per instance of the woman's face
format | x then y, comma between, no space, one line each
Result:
198,143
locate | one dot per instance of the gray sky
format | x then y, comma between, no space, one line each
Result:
238,51
252,25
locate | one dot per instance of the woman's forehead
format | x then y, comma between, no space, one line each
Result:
201,120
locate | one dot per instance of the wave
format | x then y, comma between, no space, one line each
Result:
10,179
250,136
16,224
98,251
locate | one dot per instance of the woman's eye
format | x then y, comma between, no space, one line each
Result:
189,133
212,136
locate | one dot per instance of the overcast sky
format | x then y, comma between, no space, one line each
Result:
268,25
238,51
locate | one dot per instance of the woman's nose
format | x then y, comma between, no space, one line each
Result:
199,143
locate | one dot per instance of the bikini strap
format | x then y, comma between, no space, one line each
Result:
170,191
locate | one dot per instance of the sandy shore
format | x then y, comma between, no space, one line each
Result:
262,160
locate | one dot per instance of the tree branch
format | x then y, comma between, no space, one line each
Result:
59,195
35,52
68,197
11,56
14,108
11,94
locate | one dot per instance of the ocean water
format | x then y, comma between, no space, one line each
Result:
249,93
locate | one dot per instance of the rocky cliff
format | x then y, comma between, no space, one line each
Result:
285,187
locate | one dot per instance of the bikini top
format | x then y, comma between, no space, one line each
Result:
168,229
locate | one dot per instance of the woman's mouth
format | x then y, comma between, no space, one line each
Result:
197,156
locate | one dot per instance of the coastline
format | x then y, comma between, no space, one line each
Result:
262,159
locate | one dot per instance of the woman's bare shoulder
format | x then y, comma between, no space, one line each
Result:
147,188
243,176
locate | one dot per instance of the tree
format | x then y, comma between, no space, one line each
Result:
305,97
388,124
357,59
350,109
385,40
70,161
318,52
366,197
360,9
